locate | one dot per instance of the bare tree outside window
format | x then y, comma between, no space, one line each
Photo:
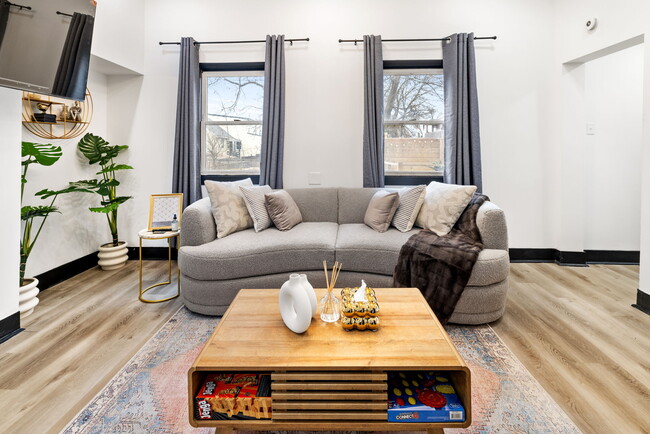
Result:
413,122
232,122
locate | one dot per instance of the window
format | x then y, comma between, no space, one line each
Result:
231,136
413,122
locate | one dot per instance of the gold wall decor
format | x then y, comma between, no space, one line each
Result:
56,118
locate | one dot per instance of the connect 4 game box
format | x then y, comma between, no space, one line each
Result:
423,397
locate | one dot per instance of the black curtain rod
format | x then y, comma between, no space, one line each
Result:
29,8
64,14
290,41
411,40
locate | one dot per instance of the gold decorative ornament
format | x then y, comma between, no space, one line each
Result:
59,118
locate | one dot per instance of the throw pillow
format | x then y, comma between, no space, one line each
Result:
282,209
381,210
254,198
443,205
228,206
410,202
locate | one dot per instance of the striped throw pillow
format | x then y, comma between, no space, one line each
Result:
254,198
410,202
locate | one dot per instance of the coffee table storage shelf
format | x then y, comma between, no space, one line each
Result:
330,379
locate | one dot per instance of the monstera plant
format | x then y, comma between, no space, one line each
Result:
34,216
98,151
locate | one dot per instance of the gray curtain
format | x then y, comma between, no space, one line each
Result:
373,118
187,143
462,141
271,158
4,18
72,74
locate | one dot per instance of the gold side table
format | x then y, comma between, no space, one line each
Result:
148,235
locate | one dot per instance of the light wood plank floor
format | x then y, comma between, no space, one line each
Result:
573,328
575,331
81,333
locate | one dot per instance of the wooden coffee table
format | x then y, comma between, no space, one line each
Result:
328,378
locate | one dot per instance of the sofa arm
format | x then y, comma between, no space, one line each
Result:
491,222
197,224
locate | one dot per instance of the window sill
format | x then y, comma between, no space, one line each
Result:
406,180
229,178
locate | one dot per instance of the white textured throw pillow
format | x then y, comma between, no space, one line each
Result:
443,205
410,202
228,206
254,198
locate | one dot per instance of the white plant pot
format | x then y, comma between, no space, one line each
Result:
27,299
113,257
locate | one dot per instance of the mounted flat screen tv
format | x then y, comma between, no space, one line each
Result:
45,46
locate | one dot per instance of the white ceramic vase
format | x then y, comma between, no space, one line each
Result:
310,293
27,299
295,306
113,257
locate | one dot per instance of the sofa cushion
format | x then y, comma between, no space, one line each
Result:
316,204
254,198
228,206
282,209
491,267
362,249
353,203
443,205
247,253
410,202
381,210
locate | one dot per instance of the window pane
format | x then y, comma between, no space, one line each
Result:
235,98
413,149
233,149
413,123
410,97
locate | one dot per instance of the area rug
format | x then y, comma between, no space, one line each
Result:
149,395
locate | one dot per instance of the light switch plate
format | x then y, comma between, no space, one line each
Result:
591,128
314,178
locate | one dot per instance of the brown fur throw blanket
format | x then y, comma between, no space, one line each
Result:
440,266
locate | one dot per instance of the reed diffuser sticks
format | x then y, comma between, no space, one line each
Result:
335,275
329,303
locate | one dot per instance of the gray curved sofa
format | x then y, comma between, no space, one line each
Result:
214,270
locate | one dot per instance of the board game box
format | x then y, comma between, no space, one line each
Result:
417,396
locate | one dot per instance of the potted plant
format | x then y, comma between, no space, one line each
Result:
112,255
45,155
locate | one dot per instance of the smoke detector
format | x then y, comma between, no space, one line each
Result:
590,24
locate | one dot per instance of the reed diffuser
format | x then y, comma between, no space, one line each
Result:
329,304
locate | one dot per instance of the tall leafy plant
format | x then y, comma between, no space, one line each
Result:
99,151
45,155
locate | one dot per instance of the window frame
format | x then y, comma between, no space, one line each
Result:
423,64
216,70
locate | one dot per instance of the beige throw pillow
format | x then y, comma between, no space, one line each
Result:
443,205
254,198
228,206
381,210
410,202
282,209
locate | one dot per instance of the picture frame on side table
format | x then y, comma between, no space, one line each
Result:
162,208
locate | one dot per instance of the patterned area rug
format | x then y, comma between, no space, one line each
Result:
149,395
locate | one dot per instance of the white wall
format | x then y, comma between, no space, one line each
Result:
612,161
118,35
76,231
618,22
324,94
10,115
